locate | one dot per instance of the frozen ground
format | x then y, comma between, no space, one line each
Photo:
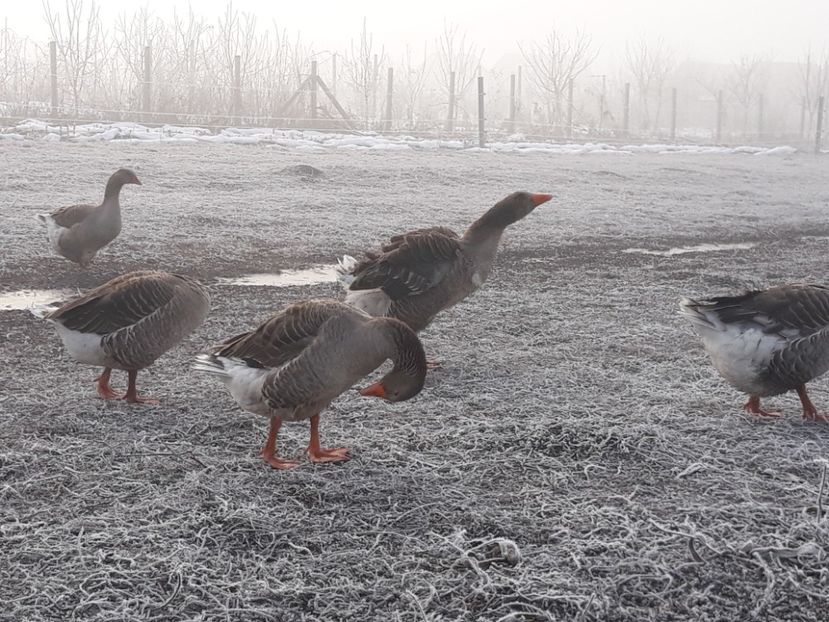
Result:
576,425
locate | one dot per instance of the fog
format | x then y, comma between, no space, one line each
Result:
738,70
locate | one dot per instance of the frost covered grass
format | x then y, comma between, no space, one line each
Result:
576,457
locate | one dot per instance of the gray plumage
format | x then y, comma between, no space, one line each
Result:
298,361
130,321
78,232
766,342
423,272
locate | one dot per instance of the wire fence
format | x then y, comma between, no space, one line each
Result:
593,111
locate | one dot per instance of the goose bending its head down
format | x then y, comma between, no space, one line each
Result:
130,321
767,342
78,232
297,362
420,273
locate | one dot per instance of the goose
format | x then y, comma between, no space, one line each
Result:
128,322
767,342
423,272
298,361
78,232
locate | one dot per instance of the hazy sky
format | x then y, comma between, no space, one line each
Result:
700,29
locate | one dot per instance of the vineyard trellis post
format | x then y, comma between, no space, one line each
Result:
237,89
512,103
389,99
570,108
819,132
450,116
148,68
53,65
481,119
312,88
760,111
626,110
673,115
719,115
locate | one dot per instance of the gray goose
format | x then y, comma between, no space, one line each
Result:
130,321
422,272
767,342
78,232
297,362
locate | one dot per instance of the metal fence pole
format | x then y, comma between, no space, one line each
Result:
626,111
53,62
389,99
237,88
819,131
312,83
512,103
673,115
148,81
450,116
719,115
481,134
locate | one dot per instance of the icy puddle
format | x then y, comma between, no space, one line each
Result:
286,278
28,298
700,248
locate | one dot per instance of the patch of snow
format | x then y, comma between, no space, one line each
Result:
700,248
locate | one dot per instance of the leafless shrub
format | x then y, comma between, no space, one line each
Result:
555,63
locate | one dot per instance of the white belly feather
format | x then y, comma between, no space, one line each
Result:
83,347
740,353
53,231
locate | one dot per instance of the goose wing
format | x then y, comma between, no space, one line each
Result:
119,303
284,336
72,215
410,264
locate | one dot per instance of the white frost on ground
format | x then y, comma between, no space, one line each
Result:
309,140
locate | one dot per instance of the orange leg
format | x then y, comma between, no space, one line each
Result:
434,365
810,413
104,390
268,452
320,454
132,393
753,406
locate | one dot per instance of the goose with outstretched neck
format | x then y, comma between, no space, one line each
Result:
423,272
298,361
78,232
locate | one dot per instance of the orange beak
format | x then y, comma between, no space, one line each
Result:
135,180
374,390
538,199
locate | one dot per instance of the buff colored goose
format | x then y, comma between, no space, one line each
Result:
297,362
422,272
767,342
78,232
128,322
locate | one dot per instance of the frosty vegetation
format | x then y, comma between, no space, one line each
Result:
235,70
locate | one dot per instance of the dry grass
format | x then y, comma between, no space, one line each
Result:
576,458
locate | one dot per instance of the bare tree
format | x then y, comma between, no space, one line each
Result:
80,41
813,80
650,64
189,48
555,64
456,55
746,83
412,83
363,64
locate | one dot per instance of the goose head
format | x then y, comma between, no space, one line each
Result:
511,209
408,375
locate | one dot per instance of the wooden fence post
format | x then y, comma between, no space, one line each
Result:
760,104
819,132
53,63
626,112
673,115
312,84
512,103
481,134
518,87
570,109
719,115
148,84
334,74
450,117
389,97
237,89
